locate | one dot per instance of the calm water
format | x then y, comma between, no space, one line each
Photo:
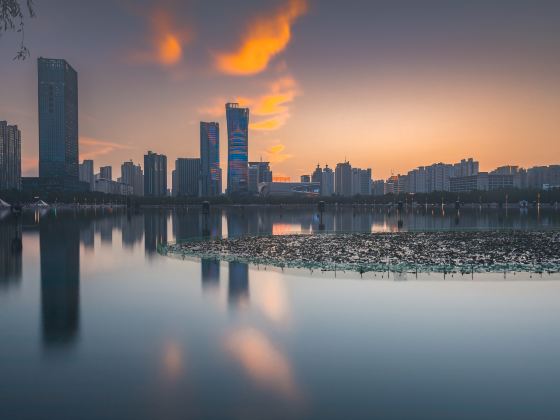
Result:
94,323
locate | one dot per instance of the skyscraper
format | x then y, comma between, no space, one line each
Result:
106,172
187,177
58,119
361,181
86,173
210,171
10,157
155,175
238,149
343,179
132,175
327,182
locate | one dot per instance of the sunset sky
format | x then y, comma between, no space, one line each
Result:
389,85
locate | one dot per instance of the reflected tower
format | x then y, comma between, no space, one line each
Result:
60,281
10,252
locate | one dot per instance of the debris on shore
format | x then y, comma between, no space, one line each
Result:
449,251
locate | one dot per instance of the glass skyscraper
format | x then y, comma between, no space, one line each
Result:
10,156
58,119
155,175
238,149
210,172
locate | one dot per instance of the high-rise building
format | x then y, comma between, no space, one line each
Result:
361,181
10,157
155,175
186,181
238,148
132,175
253,178
86,173
467,167
343,179
210,171
378,187
58,119
106,172
327,182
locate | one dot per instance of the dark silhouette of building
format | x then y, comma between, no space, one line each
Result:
155,175
106,172
58,119
10,157
186,177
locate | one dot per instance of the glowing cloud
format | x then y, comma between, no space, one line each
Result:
167,40
267,36
275,154
274,104
262,361
96,147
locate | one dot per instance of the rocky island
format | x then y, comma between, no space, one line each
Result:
450,251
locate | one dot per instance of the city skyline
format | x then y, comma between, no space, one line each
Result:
416,90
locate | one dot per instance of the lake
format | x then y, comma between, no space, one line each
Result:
95,323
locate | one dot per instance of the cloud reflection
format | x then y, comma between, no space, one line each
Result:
262,362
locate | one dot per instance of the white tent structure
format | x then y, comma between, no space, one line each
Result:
4,205
40,204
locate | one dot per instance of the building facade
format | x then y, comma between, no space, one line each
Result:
327,182
58,119
106,172
86,173
155,175
343,179
238,148
361,181
132,175
10,157
186,180
210,171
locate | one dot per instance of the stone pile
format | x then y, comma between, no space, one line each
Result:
452,251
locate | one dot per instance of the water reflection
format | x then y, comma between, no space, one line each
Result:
238,285
210,274
262,361
10,250
264,343
60,280
155,231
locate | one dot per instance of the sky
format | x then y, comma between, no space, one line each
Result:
387,85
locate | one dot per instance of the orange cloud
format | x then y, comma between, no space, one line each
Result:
167,39
267,37
96,147
262,361
273,104
275,154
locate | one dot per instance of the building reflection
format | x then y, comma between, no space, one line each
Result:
238,285
210,274
10,251
155,231
132,229
60,280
